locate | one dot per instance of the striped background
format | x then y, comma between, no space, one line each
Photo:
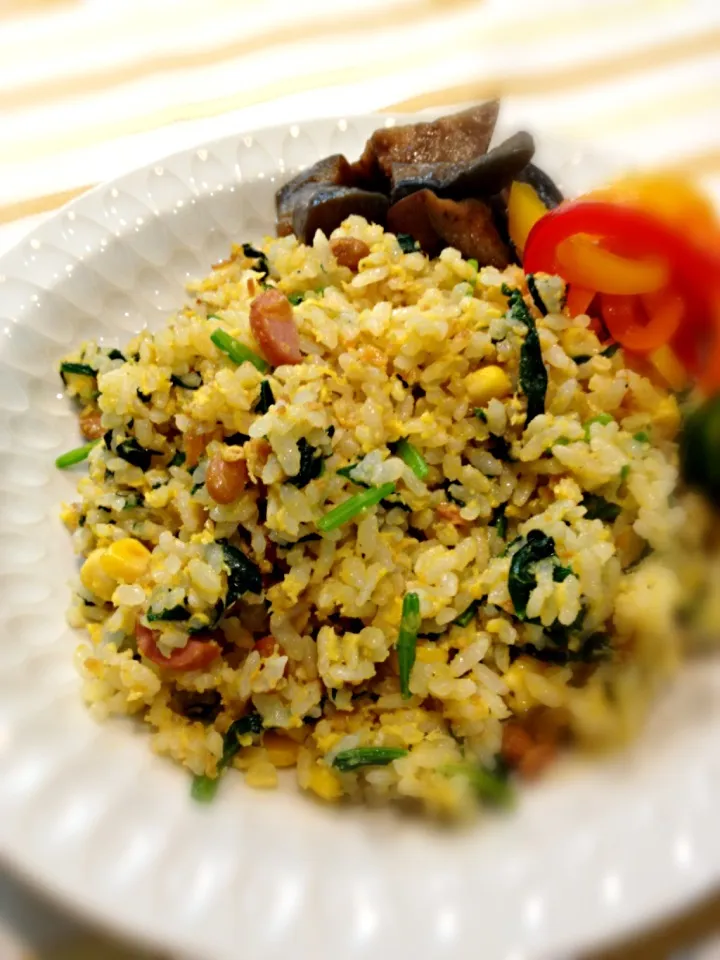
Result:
91,88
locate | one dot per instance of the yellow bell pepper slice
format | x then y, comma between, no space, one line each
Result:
524,209
587,264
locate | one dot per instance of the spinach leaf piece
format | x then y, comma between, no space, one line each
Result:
535,294
131,451
262,266
407,243
266,399
311,464
243,575
177,613
700,449
598,508
533,375
521,580
204,788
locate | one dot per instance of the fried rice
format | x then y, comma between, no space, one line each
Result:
403,349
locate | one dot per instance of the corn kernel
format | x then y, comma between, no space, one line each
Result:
125,560
95,579
261,776
487,383
325,783
281,751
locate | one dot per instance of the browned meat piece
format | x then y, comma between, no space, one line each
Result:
457,138
324,207
411,216
482,176
466,225
349,252
334,169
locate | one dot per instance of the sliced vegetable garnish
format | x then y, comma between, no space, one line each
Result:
237,351
468,614
188,381
177,613
535,294
492,786
204,788
700,449
585,263
296,298
367,757
265,399
131,451
533,375
524,209
75,456
412,457
243,575
598,508
311,464
351,508
79,369
262,266
407,640
178,459
407,243
521,579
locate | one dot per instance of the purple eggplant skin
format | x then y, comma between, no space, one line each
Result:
543,185
322,206
331,170
480,177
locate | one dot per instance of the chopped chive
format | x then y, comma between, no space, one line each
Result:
467,615
472,262
351,508
75,456
642,437
407,243
602,418
78,369
204,788
412,457
237,351
492,786
407,640
367,757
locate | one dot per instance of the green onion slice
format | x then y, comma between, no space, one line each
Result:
351,508
412,457
75,456
237,351
367,757
407,640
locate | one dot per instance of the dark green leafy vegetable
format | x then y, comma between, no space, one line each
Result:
451,496
480,414
243,575
115,354
266,399
500,449
521,580
499,520
178,459
412,457
198,625
468,614
261,265
351,508
236,439
367,757
492,786
79,369
347,472
592,649
582,358
407,640
535,294
641,437
75,456
561,573
177,613
133,500
610,350
407,243
188,381
311,464
131,451
204,788
700,449
598,508
533,375
296,298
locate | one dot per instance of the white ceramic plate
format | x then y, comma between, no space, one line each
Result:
88,812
